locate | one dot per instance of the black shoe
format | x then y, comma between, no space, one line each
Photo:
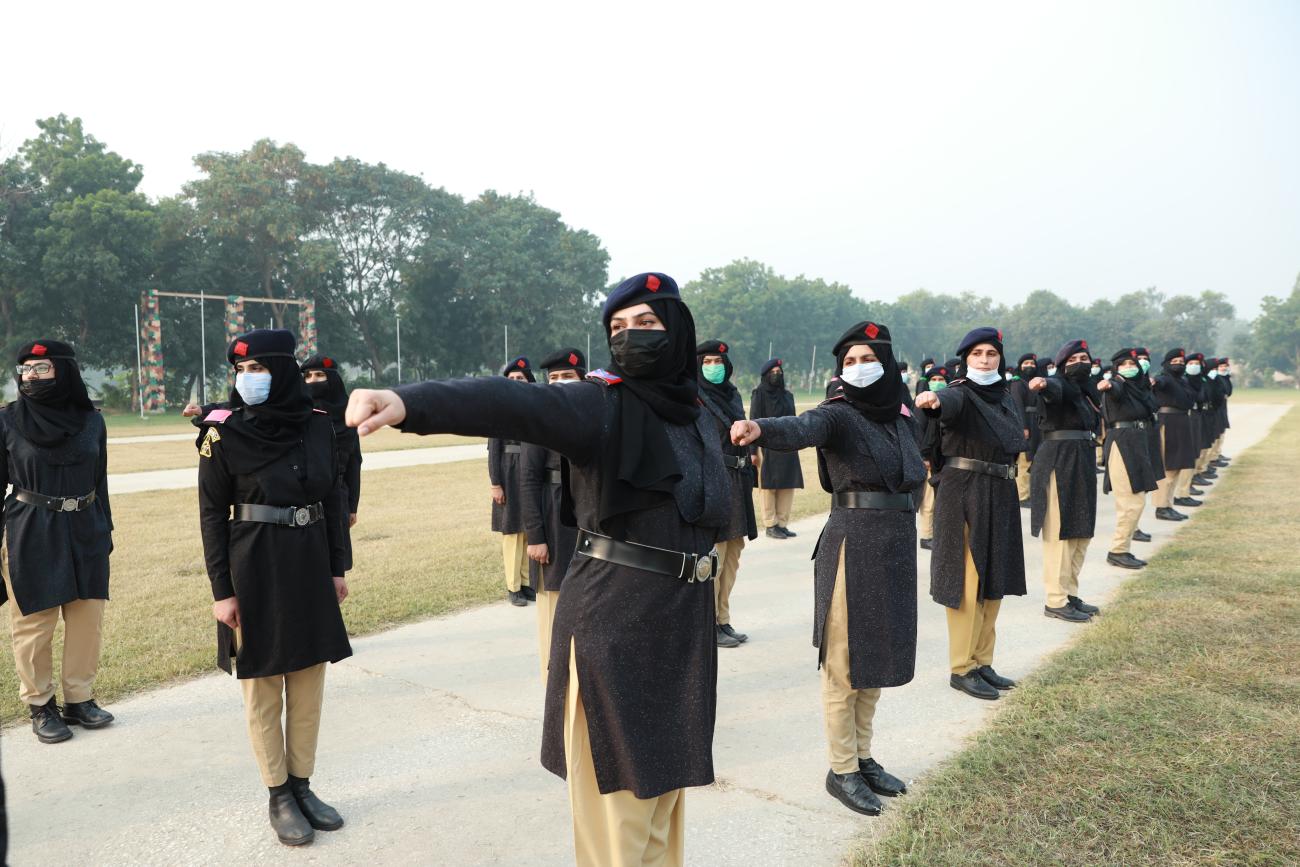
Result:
993,679
1219,462
739,636
516,597
1139,536
1199,479
787,532
775,533
1067,612
48,725
290,825
1026,504
725,640
1210,472
1101,471
319,814
1195,492
973,685
852,791
1125,560
86,713
1186,501
881,781
1082,607
926,545
529,593
1167,514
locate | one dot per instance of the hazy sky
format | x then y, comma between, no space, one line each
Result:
1091,148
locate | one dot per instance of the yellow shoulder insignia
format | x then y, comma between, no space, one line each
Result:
208,439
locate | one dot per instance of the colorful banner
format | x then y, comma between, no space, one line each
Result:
155,396
307,329
234,326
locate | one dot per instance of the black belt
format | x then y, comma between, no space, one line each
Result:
1069,435
873,500
688,567
1173,410
55,504
510,448
287,516
1140,425
999,471
736,462
1031,410
554,477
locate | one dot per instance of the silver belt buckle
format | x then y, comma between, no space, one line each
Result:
706,567
301,517
69,504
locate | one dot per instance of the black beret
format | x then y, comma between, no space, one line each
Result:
319,362
712,347
771,363
261,343
45,349
1128,354
1070,348
1196,356
638,290
975,337
927,363
939,371
1142,351
867,332
1028,356
519,363
565,359
1176,352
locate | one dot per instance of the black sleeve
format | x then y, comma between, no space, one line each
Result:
814,428
216,494
101,480
4,480
352,478
495,451
1053,393
952,403
335,521
568,418
532,474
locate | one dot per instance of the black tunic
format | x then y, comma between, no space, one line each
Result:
542,504
780,470
56,557
741,522
879,544
348,450
1073,461
503,470
1124,402
1027,401
282,576
646,648
987,505
1180,446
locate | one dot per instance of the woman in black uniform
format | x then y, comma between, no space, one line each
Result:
631,694
507,519
277,567
779,475
864,612
58,536
1026,371
1175,399
1129,474
936,379
325,385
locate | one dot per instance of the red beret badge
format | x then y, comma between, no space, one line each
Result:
871,330
241,348
39,349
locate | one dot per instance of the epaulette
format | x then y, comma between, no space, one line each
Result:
904,411
321,411
217,416
604,377
833,397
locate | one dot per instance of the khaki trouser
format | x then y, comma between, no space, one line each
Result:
848,712
33,644
514,554
291,748
1128,505
1203,460
728,565
618,829
1216,450
1173,482
972,629
547,600
1022,476
776,506
1062,558
926,529
1185,477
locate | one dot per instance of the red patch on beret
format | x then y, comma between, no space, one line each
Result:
520,364
573,358
1083,344
999,335
871,330
38,349
1134,353
722,347
652,283
241,348
327,362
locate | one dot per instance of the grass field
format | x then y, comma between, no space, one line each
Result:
1170,733
422,548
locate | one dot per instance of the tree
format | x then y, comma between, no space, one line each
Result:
1276,337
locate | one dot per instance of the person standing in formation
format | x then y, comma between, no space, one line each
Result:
631,695
978,555
507,519
864,611
324,383
1027,401
1202,422
1155,451
1225,386
1129,474
276,567
1175,399
936,379
58,535
779,474
723,403
548,524
1064,489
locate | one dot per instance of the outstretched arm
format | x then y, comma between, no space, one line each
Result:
814,428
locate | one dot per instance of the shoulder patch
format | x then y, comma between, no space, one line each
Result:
904,411
210,437
217,416
604,377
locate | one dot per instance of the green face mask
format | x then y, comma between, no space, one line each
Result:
938,386
1145,364
714,373
1129,372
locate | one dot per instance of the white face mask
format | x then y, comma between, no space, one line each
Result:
1094,371
1106,375
983,377
1193,368
1051,371
254,388
862,375
1213,374
907,376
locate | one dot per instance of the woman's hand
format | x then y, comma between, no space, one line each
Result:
745,432
498,495
227,611
1037,384
352,520
191,410
539,553
927,400
341,587
370,409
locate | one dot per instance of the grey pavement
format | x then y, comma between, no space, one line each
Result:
431,734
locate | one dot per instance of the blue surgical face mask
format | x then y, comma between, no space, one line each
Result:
1145,364
1194,368
983,377
1129,372
254,388
1213,374
714,373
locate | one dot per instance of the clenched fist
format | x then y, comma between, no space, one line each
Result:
745,432
927,400
370,409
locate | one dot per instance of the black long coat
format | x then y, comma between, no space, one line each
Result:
1125,401
1073,461
542,503
282,576
879,544
741,522
56,557
646,647
1180,441
988,506
503,470
780,470
1027,401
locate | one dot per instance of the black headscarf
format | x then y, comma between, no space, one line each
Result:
1020,364
882,401
52,416
1175,370
724,394
331,395
269,429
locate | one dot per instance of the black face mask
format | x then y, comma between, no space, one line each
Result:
641,352
39,390
318,389
1078,372
776,378
1028,370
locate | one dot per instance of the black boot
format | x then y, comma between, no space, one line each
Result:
1187,501
739,636
853,792
290,825
787,532
48,725
321,815
926,545
723,639
1125,560
774,532
1026,504
1194,492
993,679
529,593
516,598
973,685
1199,479
1139,536
86,714
1066,612
1164,513
881,781
1082,607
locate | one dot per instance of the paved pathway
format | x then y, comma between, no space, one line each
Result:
430,738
